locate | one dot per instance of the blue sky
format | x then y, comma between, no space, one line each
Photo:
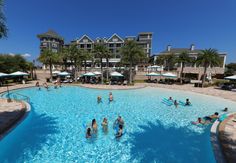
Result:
206,23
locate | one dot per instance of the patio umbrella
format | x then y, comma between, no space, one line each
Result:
231,77
153,74
116,74
3,74
56,72
169,75
97,73
89,74
63,73
19,73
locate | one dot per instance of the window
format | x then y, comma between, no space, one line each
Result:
88,45
114,39
82,46
118,45
111,45
85,40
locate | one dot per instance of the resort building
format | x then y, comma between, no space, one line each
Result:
50,40
192,69
114,43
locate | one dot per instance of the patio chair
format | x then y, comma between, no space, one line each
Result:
125,82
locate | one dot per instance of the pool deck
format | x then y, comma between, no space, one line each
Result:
10,114
227,137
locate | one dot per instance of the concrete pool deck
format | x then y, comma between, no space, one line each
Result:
10,114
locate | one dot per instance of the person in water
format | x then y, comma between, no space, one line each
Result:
212,117
176,103
199,121
187,103
45,85
110,97
37,84
170,99
94,125
88,133
120,132
99,99
119,121
225,110
105,124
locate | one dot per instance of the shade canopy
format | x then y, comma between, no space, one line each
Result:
153,74
97,73
18,73
3,74
116,74
169,75
154,66
63,73
231,77
89,74
56,72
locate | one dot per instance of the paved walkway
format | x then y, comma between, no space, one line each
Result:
227,136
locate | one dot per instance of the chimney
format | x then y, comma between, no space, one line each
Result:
168,48
192,47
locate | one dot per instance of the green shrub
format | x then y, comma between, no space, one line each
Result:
219,82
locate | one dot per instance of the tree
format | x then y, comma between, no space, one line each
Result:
160,60
86,55
12,63
230,69
107,56
183,59
99,51
64,57
131,54
3,27
207,58
75,56
48,57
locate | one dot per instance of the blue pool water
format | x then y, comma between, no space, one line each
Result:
54,131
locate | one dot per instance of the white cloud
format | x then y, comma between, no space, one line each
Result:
26,55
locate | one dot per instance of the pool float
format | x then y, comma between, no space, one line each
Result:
167,102
223,117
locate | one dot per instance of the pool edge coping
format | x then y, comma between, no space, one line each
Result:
215,141
18,122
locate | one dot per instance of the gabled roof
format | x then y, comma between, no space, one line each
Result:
50,34
85,37
113,36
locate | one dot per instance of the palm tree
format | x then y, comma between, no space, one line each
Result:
107,55
99,51
86,55
183,59
75,58
48,57
207,58
64,57
170,60
131,54
3,27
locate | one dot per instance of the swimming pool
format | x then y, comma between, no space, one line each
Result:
54,131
